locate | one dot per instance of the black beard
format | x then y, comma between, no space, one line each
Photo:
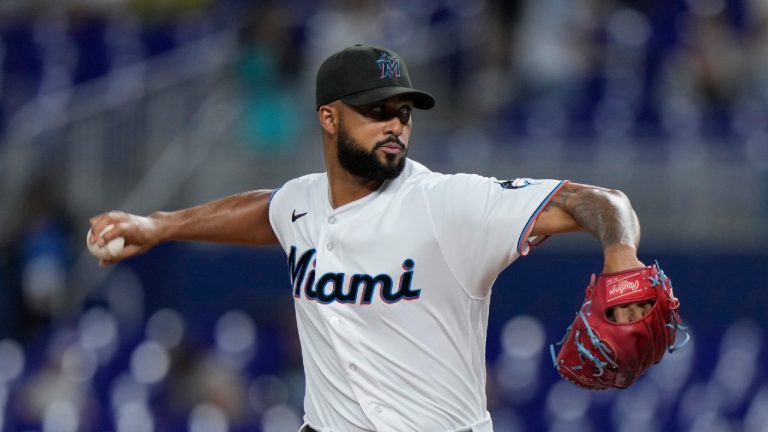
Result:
366,165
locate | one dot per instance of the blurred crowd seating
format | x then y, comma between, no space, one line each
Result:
161,344
203,338
591,69
101,372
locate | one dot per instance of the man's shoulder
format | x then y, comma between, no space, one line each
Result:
417,174
307,181
307,184
420,176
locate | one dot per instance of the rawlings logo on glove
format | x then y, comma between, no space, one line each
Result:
622,289
598,351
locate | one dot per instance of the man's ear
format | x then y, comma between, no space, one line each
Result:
328,117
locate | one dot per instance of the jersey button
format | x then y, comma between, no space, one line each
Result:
353,367
378,409
331,220
329,246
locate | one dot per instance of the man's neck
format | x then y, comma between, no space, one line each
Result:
344,188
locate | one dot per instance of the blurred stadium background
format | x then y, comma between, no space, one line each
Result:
142,105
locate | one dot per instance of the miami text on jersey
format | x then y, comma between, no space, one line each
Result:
359,288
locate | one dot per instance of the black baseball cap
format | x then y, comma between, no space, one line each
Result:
364,74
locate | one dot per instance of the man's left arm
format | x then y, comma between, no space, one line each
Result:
596,352
605,213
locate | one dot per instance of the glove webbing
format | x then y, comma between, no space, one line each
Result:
675,324
596,342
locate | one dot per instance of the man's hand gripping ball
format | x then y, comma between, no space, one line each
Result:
598,351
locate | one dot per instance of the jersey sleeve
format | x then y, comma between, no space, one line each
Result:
483,224
302,195
276,202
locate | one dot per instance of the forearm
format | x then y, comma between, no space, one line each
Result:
607,215
237,219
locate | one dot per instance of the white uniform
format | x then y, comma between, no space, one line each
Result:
392,293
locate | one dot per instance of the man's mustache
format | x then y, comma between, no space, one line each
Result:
393,140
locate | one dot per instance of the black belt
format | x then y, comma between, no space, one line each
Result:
307,429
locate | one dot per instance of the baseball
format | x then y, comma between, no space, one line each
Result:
109,250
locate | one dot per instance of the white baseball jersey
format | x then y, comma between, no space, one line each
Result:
392,293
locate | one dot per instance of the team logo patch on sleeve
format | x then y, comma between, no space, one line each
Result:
517,183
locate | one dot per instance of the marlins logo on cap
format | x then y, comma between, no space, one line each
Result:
388,65
361,74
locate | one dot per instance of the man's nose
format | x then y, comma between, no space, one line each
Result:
394,126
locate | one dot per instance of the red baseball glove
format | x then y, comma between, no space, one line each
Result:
598,352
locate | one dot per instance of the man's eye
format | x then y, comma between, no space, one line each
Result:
404,114
382,112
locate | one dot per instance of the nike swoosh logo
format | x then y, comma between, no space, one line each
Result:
295,216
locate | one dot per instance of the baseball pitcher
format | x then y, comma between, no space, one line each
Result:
391,265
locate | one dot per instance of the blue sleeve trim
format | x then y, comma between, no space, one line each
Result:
272,195
532,220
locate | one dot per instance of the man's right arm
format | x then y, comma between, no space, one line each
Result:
236,219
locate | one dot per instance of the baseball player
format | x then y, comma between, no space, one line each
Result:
391,265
